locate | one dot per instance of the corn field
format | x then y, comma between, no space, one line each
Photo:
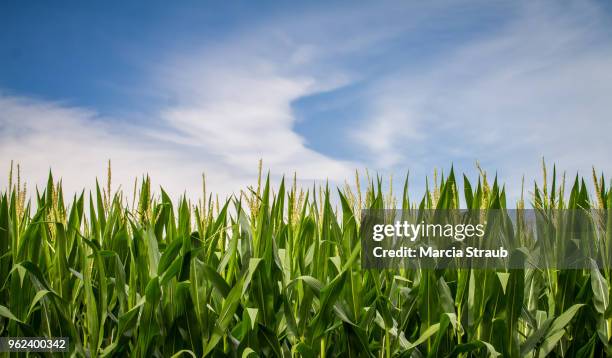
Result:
276,271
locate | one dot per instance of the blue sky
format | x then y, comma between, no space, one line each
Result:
318,88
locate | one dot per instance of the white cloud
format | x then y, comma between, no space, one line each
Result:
235,103
539,86
226,117
230,106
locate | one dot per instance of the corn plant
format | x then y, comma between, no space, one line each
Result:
277,272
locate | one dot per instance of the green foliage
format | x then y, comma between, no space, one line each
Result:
279,274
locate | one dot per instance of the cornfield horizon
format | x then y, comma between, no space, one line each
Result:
276,271
362,177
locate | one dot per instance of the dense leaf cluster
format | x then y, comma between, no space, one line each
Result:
278,273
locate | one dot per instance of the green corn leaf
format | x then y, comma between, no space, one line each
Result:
599,285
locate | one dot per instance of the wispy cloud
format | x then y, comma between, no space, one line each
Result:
230,108
538,86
